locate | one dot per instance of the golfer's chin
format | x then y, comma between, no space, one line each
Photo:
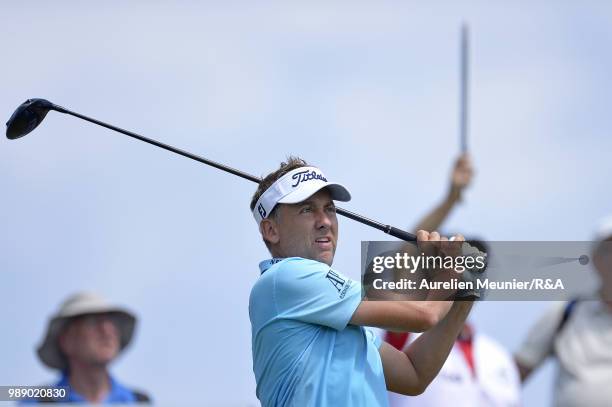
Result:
326,256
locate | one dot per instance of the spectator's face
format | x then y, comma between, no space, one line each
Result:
308,229
91,339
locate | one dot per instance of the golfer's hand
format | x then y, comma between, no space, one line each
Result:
461,176
432,244
472,274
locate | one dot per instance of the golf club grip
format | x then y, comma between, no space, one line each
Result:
401,234
388,229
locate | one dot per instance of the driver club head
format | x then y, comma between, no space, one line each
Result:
27,117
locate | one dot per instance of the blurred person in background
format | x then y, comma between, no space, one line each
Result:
478,370
461,177
82,339
578,335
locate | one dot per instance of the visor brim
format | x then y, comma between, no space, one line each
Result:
338,192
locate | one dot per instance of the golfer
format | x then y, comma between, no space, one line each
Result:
310,347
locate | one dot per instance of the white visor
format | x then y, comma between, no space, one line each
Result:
297,186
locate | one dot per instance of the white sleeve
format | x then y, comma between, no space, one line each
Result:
538,344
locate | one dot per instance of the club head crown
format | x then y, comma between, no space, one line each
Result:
27,117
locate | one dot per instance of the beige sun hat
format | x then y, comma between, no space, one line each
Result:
81,304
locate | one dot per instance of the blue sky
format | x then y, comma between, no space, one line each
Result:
366,91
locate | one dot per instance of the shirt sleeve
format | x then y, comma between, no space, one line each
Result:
312,292
374,337
538,344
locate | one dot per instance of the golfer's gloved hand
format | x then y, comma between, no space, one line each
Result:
473,274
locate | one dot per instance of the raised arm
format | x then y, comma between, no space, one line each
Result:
461,177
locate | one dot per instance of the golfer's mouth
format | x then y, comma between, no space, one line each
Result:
324,243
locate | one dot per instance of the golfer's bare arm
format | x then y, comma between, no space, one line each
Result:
401,316
410,372
392,312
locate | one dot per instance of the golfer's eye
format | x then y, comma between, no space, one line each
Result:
305,209
331,209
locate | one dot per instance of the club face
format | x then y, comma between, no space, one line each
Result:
27,117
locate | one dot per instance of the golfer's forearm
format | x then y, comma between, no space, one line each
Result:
400,316
429,352
433,311
404,314
428,314
439,309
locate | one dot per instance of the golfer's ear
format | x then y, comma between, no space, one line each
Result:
269,231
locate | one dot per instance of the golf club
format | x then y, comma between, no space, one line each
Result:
33,111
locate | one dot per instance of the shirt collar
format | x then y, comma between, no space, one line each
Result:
266,264
73,396
117,393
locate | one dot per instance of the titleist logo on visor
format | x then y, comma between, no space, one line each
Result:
306,175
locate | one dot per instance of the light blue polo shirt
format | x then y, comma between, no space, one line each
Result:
304,353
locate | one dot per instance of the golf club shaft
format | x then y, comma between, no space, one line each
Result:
164,146
393,231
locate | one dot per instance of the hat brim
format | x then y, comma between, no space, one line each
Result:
337,191
49,351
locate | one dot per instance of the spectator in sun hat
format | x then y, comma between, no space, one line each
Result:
82,339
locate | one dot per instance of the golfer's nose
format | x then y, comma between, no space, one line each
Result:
322,219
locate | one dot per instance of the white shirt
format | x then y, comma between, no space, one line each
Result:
495,382
583,349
